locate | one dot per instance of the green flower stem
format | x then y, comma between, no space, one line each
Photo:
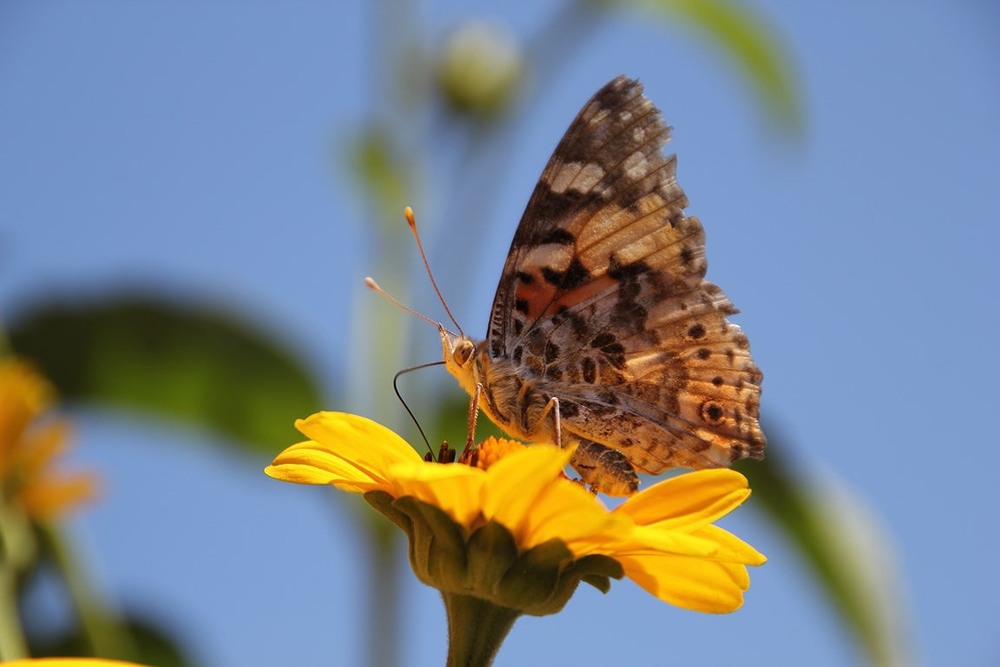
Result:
476,629
17,548
103,629
12,646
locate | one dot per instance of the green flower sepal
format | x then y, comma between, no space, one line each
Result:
485,580
487,564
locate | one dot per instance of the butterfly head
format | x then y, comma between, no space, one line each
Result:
458,352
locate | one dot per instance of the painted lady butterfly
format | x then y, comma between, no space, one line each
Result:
604,332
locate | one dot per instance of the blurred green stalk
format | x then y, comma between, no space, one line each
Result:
16,551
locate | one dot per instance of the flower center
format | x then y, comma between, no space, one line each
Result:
489,452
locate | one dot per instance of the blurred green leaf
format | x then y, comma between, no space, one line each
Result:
152,644
838,540
744,37
195,365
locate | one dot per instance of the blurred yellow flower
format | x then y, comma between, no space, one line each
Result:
29,446
521,535
70,662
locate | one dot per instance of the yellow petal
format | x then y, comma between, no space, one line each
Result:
672,542
691,583
514,483
42,445
313,463
24,394
348,451
357,438
709,542
454,487
730,547
54,494
688,501
566,511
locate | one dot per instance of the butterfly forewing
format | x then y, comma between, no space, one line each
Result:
603,305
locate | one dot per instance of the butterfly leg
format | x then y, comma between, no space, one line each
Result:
605,470
470,439
556,418
539,429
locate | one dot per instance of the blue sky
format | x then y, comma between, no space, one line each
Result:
191,149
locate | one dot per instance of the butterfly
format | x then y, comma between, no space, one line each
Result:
604,333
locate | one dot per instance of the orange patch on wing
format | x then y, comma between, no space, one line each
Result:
537,294
544,299
586,291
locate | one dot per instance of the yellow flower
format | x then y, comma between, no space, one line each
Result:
29,445
506,533
663,538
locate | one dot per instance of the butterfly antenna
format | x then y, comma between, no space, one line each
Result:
374,286
395,388
408,212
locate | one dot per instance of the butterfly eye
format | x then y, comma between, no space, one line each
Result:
463,351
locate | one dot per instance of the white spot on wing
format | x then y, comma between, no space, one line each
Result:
599,116
563,177
576,176
590,175
555,256
636,166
